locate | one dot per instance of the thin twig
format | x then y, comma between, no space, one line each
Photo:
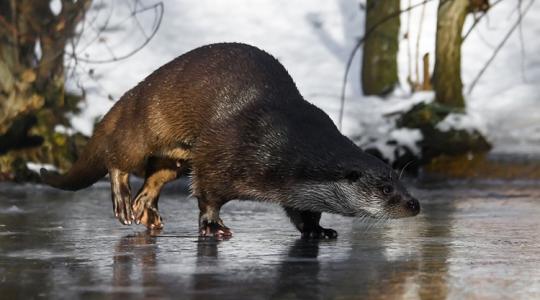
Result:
409,58
158,7
357,46
521,42
74,43
499,47
421,25
138,23
477,20
98,30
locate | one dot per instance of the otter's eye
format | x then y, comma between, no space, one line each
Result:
352,176
387,189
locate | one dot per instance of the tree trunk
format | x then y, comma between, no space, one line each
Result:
16,95
426,82
447,73
379,61
32,98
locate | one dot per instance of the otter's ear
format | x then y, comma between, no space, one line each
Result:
352,175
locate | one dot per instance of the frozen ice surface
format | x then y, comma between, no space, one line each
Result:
478,241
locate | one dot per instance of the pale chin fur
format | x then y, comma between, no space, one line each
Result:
339,197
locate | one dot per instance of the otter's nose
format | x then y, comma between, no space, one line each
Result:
414,206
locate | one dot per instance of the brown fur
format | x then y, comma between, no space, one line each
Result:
232,114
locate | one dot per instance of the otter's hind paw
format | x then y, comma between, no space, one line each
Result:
214,229
320,233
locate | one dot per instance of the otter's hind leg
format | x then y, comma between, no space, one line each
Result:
210,224
159,172
307,222
121,195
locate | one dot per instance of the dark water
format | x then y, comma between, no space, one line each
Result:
470,241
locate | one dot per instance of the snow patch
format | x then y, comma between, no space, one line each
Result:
377,123
56,7
387,150
468,122
64,130
37,166
312,39
394,142
408,138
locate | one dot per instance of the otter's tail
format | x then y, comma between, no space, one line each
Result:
88,169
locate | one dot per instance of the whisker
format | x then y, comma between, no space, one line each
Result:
403,169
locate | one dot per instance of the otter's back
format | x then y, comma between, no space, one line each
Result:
210,84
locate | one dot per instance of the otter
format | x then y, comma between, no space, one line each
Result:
231,116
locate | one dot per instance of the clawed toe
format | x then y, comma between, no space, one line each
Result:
320,233
139,209
212,229
125,217
145,212
151,219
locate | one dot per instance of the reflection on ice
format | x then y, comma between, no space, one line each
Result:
468,242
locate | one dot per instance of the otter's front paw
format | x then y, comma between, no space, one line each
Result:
214,229
319,233
146,213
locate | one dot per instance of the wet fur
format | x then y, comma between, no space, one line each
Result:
232,113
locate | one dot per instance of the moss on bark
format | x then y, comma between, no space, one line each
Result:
379,60
32,96
447,73
436,142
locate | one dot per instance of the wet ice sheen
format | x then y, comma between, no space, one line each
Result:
473,241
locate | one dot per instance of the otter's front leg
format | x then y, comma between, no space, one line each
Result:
210,224
145,206
121,195
307,222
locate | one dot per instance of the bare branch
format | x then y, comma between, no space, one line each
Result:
357,46
421,25
158,8
139,25
478,19
521,41
499,47
98,30
409,58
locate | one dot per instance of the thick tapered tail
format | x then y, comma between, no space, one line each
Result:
88,169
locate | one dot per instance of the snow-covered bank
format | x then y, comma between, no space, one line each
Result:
313,39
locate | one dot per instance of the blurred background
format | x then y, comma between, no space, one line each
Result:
440,89
445,88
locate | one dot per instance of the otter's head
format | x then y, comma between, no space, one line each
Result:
375,191
368,187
